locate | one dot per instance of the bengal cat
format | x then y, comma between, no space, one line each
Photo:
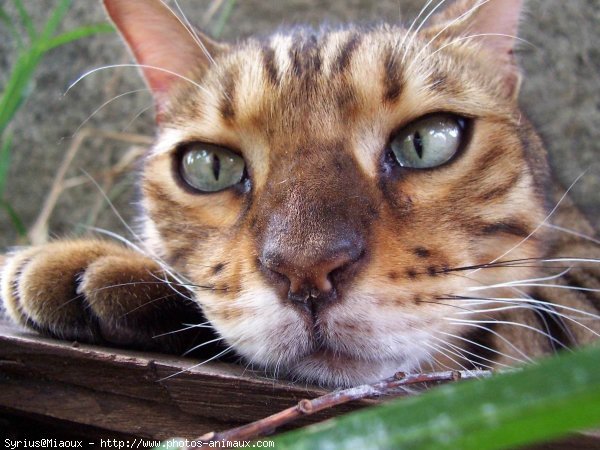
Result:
331,205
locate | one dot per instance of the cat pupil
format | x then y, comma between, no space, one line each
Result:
216,166
418,144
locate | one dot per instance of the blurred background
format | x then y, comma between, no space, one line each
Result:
54,143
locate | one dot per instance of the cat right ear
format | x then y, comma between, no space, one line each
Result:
494,23
166,49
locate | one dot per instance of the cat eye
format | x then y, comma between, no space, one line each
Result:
428,142
209,168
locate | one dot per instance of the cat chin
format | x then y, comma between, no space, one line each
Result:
279,342
328,370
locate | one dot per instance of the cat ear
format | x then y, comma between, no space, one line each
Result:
493,23
162,43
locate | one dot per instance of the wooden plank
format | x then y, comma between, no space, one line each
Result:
82,406
129,392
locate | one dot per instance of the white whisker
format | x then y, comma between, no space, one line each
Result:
582,260
190,29
106,103
475,364
185,328
138,66
465,38
554,305
454,350
476,324
218,355
572,232
444,352
540,225
413,23
112,207
416,32
507,322
453,22
543,306
199,325
557,286
489,349
519,283
137,115
181,281
212,341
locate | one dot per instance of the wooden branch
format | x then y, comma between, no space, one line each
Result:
306,407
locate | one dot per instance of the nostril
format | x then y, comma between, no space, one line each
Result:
304,278
354,257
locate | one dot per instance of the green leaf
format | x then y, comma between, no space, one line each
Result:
4,161
25,19
538,403
77,33
14,218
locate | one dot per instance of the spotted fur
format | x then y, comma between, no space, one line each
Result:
312,113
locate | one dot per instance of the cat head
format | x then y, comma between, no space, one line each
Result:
326,191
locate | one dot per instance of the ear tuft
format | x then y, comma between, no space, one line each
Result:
164,46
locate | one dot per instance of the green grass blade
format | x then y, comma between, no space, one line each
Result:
77,33
25,19
8,23
4,161
223,18
14,218
54,21
541,402
17,87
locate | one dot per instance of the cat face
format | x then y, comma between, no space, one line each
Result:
283,187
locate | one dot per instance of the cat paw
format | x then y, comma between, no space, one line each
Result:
98,292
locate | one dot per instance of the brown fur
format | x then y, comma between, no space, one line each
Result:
312,112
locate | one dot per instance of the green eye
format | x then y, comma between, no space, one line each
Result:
208,168
428,142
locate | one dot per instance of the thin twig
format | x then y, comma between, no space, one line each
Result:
306,407
38,234
123,165
39,231
210,12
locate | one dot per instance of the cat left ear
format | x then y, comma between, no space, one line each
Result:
167,50
494,24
